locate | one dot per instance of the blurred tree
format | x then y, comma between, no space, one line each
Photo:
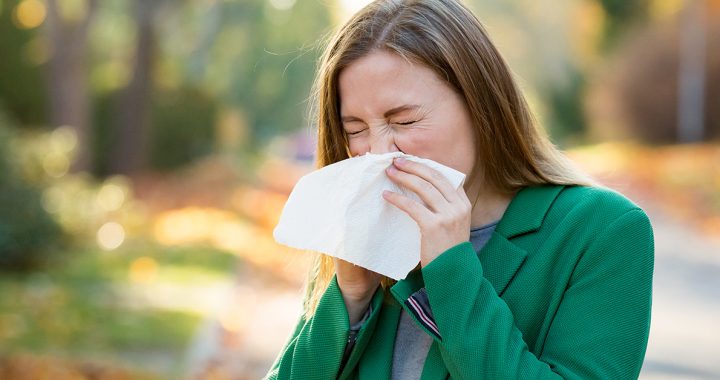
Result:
129,153
219,75
258,58
551,48
638,94
23,51
554,48
691,78
66,31
111,65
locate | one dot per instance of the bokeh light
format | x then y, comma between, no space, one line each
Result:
110,236
55,165
191,225
111,196
143,269
29,14
282,5
112,75
662,9
352,6
72,11
63,142
64,139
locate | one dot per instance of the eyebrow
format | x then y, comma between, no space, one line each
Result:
387,113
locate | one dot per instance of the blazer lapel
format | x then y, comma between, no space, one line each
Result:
501,258
377,358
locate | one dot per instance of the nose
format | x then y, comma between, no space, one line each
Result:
382,143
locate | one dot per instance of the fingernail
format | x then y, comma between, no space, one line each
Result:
400,160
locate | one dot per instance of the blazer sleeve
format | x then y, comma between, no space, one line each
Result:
599,331
315,349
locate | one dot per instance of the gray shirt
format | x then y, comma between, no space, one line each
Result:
411,342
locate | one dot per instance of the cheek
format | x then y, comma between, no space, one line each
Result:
442,146
417,143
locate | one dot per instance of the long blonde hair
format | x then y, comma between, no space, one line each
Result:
445,36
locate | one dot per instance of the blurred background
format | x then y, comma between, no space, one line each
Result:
147,148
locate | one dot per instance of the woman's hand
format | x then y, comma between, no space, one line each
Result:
357,286
444,218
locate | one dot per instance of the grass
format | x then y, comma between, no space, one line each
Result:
80,307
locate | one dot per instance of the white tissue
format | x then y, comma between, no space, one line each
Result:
339,210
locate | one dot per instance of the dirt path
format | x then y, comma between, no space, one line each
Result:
243,342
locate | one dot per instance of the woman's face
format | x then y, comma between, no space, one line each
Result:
388,104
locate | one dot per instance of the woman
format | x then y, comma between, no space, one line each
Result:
529,270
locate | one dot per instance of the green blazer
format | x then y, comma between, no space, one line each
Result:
561,290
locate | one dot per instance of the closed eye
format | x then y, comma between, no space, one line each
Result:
355,133
406,122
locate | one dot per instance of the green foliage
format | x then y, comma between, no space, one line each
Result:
621,14
21,81
75,317
567,114
89,308
247,56
28,234
265,60
182,129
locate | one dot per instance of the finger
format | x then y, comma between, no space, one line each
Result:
424,189
430,175
419,213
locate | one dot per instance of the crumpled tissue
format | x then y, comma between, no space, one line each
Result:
339,210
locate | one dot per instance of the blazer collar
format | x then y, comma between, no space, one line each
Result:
527,210
501,258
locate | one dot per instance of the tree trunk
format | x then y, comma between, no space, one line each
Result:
129,154
67,78
691,99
